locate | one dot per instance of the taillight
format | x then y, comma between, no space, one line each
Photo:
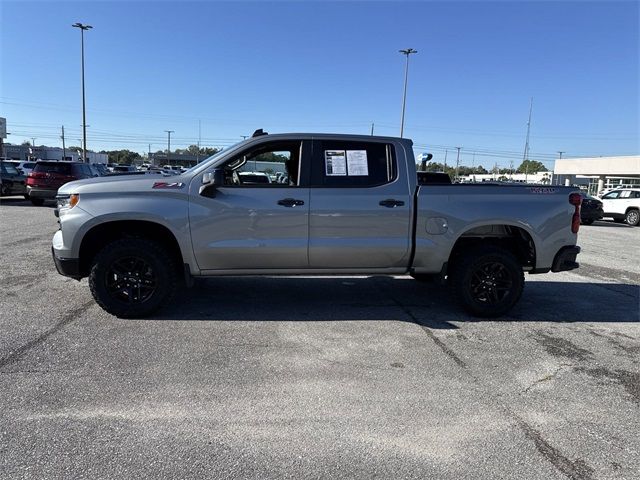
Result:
575,199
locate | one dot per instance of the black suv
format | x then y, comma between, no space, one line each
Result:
591,209
12,181
45,179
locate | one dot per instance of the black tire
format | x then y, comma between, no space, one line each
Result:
132,278
632,217
38,202
487,280
6,188
587,221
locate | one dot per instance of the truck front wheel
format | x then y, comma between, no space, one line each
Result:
132,278
488,281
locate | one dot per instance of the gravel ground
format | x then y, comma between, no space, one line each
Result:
295,377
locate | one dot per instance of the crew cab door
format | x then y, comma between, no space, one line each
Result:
259,218
361,206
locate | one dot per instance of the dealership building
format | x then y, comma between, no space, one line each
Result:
596,174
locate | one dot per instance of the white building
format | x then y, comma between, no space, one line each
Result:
25,153
537,177
598,173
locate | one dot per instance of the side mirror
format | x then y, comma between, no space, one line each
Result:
210,181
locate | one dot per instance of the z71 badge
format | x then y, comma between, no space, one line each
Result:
168,185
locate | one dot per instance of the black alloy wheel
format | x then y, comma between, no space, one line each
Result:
132,277
131,280
488,280
490,283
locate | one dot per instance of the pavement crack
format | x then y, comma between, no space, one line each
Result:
548,376
575,470
68,318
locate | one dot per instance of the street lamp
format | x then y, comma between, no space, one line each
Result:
407,52
84,119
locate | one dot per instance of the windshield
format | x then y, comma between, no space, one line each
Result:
216,155
9,168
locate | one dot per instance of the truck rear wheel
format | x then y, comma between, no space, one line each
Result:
488,281
132,278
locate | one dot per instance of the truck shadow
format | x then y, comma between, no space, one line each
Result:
400,298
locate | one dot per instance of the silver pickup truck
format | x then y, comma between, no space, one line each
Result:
320,204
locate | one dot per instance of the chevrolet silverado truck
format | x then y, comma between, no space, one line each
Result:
337,204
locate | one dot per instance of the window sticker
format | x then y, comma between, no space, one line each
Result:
357,163
335,162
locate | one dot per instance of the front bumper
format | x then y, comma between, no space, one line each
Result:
592,214
69,267
565,259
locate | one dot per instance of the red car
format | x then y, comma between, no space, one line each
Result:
45,179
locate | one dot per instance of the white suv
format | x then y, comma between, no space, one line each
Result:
623,205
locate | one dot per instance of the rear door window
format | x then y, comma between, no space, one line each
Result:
59,168
340,163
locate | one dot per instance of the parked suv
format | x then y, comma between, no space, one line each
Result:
591,209
623,205
45,179
13,182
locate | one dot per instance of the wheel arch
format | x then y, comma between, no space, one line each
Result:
101,234
512,237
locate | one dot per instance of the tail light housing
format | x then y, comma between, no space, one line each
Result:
575,199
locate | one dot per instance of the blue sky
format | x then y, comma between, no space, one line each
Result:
328,67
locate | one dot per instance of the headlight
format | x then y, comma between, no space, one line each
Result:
68,201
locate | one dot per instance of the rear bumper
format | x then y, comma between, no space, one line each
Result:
69,267
36,192
565,259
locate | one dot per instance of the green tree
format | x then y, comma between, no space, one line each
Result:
531,166
122,156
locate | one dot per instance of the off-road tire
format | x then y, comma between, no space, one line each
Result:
103,279
632,217
38,202
476,275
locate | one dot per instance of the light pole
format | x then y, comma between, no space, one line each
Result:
457,162
84,117
169,132
407,52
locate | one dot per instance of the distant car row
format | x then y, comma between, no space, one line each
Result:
39,181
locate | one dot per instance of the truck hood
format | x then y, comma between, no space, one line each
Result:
123,184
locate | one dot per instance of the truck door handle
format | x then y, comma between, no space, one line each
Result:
290,202
391,203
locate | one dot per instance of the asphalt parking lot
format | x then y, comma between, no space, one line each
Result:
319,377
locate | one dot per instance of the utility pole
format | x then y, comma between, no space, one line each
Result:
169,132
84,117
526,144
199,138
372,125
445,160
407,52
554,173
457,163
149,155
64,148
